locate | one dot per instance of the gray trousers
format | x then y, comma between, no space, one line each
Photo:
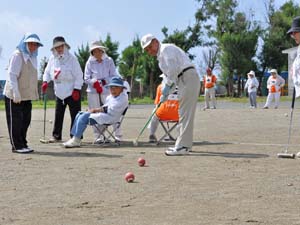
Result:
188,92
252,98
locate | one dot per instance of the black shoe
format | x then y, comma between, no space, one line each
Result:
54,140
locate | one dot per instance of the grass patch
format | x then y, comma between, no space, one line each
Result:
147,100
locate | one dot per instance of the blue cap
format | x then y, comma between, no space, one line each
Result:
116,82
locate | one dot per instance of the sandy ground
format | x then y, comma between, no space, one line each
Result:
233,175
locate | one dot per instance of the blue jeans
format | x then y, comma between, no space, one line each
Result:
81,121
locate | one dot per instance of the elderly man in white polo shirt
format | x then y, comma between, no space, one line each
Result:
179,71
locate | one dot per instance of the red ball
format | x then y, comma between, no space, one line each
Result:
129,177
141,161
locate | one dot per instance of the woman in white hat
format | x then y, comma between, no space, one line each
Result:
99,69
20,89
251,86
274,84
64,70
108,113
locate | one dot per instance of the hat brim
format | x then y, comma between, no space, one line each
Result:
114,85
59,43
35,40
293,29
102,48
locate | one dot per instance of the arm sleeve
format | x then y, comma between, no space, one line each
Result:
268,82
14,70
214,79
282,82
78,76
256,83
158,94
88,74
112,69
47,72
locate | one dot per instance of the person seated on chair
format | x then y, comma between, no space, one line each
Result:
168,110
109,113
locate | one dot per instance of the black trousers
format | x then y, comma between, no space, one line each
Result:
18,117
60,108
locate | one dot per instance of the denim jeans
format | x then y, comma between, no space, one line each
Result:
81,121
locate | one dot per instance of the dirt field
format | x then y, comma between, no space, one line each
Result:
232,177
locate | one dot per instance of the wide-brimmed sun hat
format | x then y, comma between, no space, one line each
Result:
251,73
97,44
33,38
58,41
273,71
295,25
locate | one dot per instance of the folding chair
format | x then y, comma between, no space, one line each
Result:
107,132
168,126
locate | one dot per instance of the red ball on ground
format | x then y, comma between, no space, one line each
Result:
141,161
129,177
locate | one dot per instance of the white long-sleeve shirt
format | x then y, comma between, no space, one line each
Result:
172,60
95,71
115,107
252,84
69,78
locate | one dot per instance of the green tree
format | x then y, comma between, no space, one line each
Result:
275,38
131,62
112,48
235,36
83,55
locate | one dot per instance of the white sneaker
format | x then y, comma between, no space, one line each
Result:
298,155
72,143
177,151
23,150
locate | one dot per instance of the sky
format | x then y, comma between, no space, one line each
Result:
82,22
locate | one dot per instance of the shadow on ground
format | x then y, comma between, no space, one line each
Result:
76,154
229,154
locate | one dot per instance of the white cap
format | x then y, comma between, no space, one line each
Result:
251,73
146,40
273,71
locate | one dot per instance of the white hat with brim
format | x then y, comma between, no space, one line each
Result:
59,41
97,45
57,44
35,40
273,71
251,73
146,40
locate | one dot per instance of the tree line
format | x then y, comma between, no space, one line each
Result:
230,41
